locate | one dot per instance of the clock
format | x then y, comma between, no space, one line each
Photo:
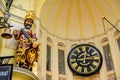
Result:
84,60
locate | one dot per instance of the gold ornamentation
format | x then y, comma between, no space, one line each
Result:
31,55
30,15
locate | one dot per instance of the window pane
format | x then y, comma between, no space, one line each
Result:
48,61
61,62
108,58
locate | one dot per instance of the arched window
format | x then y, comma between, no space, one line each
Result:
61,58
107,54
48,61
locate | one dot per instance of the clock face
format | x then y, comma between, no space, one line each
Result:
85,60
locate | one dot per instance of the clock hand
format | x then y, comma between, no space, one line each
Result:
92,57
87,58
85,55
84,58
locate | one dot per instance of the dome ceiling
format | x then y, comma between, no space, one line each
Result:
78,19
72,19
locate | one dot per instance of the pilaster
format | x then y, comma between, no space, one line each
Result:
68,72
55,59
43,56
103,72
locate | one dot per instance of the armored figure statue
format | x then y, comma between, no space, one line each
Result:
28,47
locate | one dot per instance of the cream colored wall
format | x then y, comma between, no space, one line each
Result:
37,6
103,74
41,65
17,14
4,51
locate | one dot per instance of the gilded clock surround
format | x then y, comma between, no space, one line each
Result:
85,60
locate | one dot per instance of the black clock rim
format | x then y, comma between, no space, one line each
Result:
87,74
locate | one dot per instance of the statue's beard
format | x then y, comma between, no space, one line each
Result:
28,26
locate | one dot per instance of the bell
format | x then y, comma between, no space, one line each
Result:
7,33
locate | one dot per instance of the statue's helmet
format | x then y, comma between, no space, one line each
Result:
30,15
